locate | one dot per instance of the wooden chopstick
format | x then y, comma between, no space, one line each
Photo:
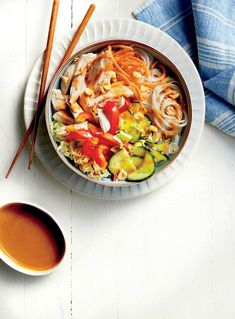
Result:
46,62
68,52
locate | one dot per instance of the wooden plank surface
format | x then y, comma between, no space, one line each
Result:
168,255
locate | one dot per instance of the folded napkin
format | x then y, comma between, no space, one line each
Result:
206,31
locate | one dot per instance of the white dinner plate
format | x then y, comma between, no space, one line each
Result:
129,30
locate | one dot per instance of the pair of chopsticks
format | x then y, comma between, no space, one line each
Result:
33,127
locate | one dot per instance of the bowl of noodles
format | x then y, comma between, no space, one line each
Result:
118,112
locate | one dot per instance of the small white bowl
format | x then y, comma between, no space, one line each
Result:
13,264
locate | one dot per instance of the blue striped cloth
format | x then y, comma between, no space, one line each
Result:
206,30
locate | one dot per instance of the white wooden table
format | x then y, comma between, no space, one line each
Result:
169,255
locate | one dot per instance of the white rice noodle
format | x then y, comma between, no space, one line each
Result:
157,97
145,57
160,102
154,76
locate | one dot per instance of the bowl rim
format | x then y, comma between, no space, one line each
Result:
27,271
98,45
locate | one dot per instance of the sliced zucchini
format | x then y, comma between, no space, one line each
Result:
137,161
162,146
144,123
129,125
145,170
121,160
138,151
139,143
124,137
159,157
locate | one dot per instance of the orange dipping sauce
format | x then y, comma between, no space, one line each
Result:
30,237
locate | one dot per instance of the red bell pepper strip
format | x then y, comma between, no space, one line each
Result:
99,153
80,135
108,154
111,111
88,146
95,144
106,139
84,116
124,107
94,129
99,137
99,157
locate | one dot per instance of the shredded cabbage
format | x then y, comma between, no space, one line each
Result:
57,130
65,149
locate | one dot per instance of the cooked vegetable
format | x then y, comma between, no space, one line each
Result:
138,151
124,107
137,161
111,111
79,135
145,170
99,156
159,157
85,116
124,137
118,114
144,123
121,160
162,146
129,125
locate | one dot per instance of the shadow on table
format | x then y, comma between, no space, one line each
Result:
14,283
11,276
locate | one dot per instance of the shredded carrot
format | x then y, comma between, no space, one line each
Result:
124,76
125,59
